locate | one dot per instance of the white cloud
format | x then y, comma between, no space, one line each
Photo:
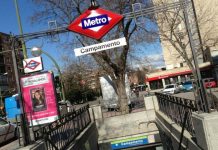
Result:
155,57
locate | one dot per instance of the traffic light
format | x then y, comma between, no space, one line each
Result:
58,87
57,81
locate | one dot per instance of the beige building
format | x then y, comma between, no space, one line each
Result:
176,46
174,39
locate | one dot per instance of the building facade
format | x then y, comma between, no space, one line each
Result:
7,77
176,46
173,32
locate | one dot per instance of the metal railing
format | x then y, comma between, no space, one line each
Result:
176,108
59,134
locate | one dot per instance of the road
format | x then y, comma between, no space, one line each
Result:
186,95
191,96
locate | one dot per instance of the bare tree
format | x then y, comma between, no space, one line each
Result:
78,77
112,61
173,32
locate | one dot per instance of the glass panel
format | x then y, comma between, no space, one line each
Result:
3,122
182,78
175,79
167,81
156,84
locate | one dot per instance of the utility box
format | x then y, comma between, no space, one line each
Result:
12,108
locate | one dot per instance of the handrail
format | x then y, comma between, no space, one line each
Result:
175,108
60,133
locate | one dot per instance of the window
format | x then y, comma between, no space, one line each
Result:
7,60
156,84
167,81
3,122
175,79
182,78
8,69
3,80
1,58
169,86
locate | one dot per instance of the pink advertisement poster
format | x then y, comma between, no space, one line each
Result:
39,98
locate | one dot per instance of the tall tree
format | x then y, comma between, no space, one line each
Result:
173,32
112,61
174,35
78,78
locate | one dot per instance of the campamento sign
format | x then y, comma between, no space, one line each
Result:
100,47
129,142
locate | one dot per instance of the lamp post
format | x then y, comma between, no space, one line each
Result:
36,51
202,102
23,119
20,28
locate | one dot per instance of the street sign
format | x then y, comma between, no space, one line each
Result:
95,23
100,47
129,142
32,64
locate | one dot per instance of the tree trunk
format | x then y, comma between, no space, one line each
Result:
122,96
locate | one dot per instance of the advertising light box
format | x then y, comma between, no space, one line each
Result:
39,98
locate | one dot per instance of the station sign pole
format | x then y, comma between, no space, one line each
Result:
24,126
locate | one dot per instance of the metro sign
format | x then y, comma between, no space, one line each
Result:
95,23
32,64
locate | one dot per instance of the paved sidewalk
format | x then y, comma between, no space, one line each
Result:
11,146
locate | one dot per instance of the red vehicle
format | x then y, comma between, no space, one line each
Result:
209,82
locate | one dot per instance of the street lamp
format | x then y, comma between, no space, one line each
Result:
36,51
20,28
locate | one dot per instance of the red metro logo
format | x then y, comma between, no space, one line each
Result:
95,23
32,64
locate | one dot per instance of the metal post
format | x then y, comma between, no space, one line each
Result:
20,28
93,4
200,86
183,128
24,129
198,31
59,72
1,97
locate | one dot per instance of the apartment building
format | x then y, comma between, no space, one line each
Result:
173,31
176,45
7,77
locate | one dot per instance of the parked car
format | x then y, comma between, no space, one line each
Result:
171,89
8,131
187,86
209,82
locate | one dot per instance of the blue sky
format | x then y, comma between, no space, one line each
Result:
9,24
